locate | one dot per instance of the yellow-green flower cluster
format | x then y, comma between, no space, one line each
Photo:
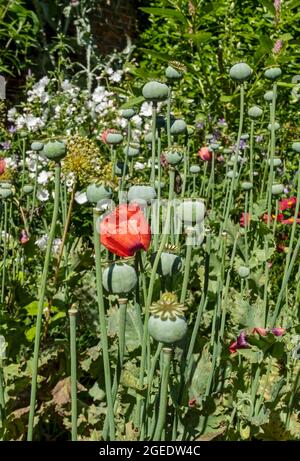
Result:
86,162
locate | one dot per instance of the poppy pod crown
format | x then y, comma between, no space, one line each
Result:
125,230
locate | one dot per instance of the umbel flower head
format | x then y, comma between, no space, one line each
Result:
84,160
168,307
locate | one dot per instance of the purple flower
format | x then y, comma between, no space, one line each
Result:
286,190
277,47
278,331
5,145
200,125
222,122
12,129
242,340
259,138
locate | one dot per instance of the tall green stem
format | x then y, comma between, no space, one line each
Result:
41,303
72,316
102,321
163,402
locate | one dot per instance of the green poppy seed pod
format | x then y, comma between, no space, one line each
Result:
173,74
114,138
155,91
191,212
227,151
54,150
23,134
27,189
97,192
169,264
276,126
37,146
255,112
5,184
277,189
146,193
119,278
148,137
276,162
178,127
272,73
128,113
214,146
246,185
232,159
167,331
132,150
243,272
173,156
194,169
120,167
5,193
268,96
230,174
240,72
244,136
296,146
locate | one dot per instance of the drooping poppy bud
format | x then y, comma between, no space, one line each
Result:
24,237
205,154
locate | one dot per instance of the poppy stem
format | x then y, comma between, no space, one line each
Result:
272,152
41,303
163,398
237,150
2,400
251,164
102,322
153,145
165,234
72,315
4,253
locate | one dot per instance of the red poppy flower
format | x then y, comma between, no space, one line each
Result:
260,331
245,219
290,220
24,237
125,230
205,154
287,203
280,217
2,166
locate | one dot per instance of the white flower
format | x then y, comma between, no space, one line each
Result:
10,162
80,197
42,195
146,109
11,114
56,246
139,166
42,242
116,76
137,120
43,177
99,94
